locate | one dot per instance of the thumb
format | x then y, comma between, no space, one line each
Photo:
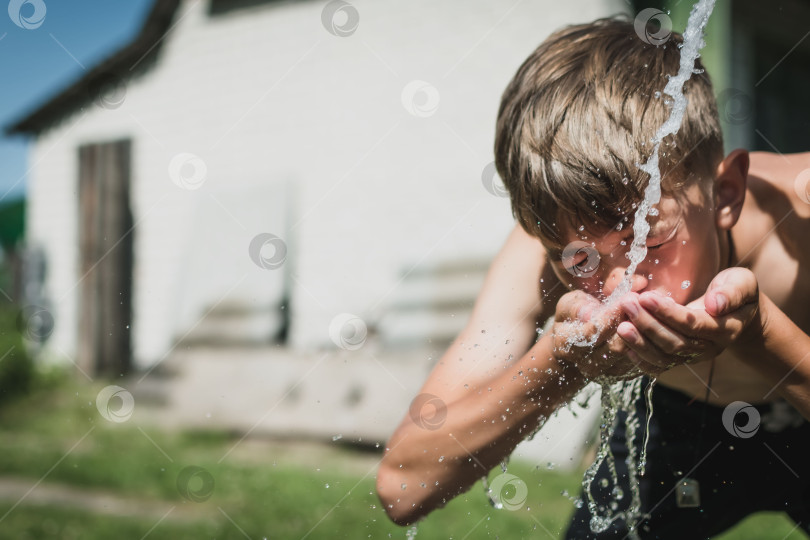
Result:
730,290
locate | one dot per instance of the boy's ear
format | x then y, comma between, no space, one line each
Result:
729,188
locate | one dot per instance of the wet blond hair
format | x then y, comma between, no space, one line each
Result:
578,117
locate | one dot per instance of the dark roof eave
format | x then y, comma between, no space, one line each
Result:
132,59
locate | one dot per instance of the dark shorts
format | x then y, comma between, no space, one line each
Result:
765,470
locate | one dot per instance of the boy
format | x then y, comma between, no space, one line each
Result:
718,309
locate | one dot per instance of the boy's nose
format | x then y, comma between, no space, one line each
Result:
638,283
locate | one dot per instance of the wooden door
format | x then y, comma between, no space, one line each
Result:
105,256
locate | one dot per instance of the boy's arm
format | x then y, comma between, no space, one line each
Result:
776,347
483,397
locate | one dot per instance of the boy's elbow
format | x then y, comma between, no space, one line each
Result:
399,505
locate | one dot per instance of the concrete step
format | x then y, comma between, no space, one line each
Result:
346,397
274,391
446,293
432,305
233,326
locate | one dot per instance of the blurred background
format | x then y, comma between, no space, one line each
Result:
237,235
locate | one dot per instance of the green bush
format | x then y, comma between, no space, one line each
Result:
16,365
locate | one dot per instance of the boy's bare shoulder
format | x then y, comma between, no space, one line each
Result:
773,180
530,251
774,204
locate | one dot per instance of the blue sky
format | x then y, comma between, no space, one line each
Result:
37,63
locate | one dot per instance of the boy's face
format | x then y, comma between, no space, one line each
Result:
683,251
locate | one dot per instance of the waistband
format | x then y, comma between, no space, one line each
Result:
774,416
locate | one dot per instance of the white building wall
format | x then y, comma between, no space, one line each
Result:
304,135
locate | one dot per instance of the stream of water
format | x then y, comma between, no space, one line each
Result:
623,395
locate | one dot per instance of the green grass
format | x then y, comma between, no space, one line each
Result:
36,523
270,496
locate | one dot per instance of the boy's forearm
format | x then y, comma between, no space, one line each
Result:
481,428
778,349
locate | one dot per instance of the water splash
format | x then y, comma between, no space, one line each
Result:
642,464
494,501
614,397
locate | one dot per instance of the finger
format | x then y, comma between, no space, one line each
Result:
663,337
646,367
730,290
688,321
644,350
694,322
584,310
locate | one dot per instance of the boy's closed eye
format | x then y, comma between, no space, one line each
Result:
583,259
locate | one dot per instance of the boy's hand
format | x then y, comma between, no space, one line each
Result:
662,333
573,322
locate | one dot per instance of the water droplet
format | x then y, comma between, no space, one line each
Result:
581,228
623,243
441,458
604,482
685,284
327,486
404,485
337,437
599,524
